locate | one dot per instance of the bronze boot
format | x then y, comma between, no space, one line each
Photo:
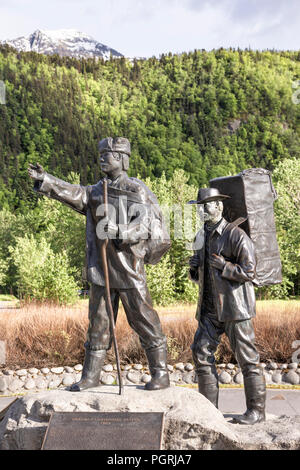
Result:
255,391
157,359
90,377
209,387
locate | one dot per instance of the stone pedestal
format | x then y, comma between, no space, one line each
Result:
191,421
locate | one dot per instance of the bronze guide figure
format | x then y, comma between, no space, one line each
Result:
128,247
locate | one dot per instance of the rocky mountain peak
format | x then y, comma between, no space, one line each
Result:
65,42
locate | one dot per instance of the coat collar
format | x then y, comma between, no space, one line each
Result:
117,182
220,228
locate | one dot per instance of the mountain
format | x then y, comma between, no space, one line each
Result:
65,42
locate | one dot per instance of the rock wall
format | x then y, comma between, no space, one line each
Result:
24,380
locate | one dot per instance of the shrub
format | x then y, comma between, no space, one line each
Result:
160,281
287,183
3,271
168,280
41,273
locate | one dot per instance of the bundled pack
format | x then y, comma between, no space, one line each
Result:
252,197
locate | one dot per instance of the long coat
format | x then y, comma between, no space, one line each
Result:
134,244
234,296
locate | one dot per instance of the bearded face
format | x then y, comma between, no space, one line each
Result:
213,211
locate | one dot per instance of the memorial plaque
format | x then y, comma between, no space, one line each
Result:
104,431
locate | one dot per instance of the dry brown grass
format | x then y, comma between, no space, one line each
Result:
277,325
48,335
38,335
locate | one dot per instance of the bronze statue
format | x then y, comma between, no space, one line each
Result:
131,244
224,268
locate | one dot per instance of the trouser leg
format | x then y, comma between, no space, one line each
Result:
142,317
98,338
144,320
242,339
99,330
206,341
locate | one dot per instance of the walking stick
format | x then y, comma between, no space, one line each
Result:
107,290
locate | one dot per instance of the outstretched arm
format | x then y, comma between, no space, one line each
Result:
73,195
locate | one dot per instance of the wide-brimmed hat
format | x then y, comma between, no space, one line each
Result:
118,144
207,195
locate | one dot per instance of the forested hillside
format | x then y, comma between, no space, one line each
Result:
208,113
189,117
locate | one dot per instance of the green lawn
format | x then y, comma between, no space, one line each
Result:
190,308
178,308
7,297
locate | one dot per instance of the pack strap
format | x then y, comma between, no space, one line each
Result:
239,221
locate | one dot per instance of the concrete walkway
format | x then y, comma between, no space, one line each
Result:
279,402
9,304
5,403
232,401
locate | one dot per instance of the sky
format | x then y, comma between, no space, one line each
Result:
145,28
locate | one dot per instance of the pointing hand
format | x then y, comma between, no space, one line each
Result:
36,172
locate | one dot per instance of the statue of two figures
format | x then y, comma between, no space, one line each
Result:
133,230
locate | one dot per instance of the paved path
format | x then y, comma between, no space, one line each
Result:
232,401
279,402
9,304
5,402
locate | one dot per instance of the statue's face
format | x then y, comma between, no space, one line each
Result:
109,163
213,211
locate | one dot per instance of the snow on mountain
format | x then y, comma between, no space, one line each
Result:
65,42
